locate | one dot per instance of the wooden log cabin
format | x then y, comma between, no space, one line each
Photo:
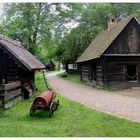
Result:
17,71
113,57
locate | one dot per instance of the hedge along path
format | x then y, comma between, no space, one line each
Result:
115,104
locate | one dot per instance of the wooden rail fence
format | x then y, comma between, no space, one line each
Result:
10,94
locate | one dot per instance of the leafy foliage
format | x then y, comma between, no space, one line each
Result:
60,31
38,26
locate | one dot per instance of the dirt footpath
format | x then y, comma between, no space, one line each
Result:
112,103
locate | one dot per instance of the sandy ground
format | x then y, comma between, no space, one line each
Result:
124,103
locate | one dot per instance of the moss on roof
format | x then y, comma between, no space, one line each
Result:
103,40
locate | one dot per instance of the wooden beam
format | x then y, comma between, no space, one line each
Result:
45,79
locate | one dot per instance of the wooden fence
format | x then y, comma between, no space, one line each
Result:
10,94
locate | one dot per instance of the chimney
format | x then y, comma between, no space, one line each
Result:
112,21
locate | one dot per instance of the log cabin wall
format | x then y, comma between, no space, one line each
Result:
10,87
11,71
28,86
84,72
88,71
99,75
26,76
3,67
128,42
92,72
8,69
110,71
117,72
123,52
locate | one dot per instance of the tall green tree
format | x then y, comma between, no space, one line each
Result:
45,29
39,25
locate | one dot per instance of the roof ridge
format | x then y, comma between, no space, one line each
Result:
121,21
26,59
16,43
103,40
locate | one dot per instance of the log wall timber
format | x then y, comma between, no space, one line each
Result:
99,75
116,71
85,72
110,71
11,71
118,64
88,72
9,92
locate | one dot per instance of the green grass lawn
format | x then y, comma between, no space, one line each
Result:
71,119
71,77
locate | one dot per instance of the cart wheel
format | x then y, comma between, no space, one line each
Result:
57,104
52,108
32,111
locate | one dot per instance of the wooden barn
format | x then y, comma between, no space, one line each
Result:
113,57
17,71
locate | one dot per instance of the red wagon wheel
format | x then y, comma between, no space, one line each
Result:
52,109
57,104
32,111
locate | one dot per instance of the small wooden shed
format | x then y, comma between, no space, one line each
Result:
113,57
17,71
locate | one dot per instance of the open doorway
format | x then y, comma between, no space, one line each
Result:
131,73
25,93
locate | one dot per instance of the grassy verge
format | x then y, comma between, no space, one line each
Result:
71,77
71,119
76,79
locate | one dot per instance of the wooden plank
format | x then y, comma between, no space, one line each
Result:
115,74
10,95
85,75
115,69
13,94
11,74
85,79
12,85
121,54
84,70
127,42
12,102
85,66
115,79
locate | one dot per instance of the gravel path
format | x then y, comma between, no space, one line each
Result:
112,103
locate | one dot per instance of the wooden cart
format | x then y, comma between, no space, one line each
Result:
45,101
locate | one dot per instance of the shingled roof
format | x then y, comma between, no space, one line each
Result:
20,53
103,40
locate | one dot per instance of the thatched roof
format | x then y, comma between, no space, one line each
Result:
20,53
103,40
